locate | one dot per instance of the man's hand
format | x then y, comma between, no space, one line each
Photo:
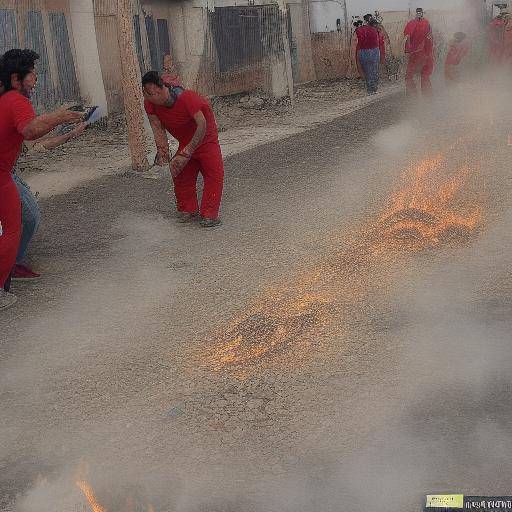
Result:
66,116
177,164
77,130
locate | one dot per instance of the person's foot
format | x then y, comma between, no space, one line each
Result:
209,223
22,272
184,217
6,299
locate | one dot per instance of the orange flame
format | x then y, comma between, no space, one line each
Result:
86,488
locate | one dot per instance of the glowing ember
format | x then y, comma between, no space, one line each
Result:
427,211
270,328
89,494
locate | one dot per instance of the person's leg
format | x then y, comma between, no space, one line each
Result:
410,86
365,58
375,70
30,217
185,188
426,72
10,230
212,169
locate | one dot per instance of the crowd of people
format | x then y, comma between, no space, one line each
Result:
189,118
372,47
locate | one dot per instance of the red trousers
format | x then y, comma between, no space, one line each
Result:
423,63
10,220
207,160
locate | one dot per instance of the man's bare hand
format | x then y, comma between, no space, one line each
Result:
161,158
77,130
177,164
68,116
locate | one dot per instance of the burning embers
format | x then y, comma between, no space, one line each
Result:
269,329
427,212
127,504
433,208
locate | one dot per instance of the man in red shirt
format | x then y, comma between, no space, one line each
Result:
420,48
18,121
369,53
189,118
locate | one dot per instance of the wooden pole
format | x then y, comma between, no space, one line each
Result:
132,92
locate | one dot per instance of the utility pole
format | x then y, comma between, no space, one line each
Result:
132,93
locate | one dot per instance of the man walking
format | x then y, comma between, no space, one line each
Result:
369,53
419,46
189,118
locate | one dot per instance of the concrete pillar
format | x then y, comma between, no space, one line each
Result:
87,57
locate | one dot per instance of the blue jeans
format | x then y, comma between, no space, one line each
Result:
370,62
30,216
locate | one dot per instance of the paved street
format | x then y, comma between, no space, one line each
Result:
341,343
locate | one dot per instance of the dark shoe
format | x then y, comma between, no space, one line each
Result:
24,273
184,217
209,223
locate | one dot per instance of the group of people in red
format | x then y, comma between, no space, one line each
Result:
186,115
371,45
500,38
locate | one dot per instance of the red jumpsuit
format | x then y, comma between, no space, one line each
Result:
420,48
16,112
496,32
179,121
456,53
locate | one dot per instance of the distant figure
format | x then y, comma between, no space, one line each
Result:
420,48
369,53
458,50
355,49
499,36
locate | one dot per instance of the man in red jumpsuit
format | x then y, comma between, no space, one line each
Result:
496,34
420,48
458,50
18,121
189,118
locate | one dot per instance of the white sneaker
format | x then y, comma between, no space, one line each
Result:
6,299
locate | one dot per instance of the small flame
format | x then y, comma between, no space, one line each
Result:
86,488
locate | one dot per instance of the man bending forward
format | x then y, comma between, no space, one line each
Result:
189,118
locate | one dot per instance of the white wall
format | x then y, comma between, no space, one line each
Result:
323,15
86,49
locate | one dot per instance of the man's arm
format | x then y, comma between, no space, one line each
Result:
53,142
161,142
181,159
198,135
45,123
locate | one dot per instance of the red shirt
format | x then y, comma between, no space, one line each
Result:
179,121
16,112
456,53
420,36
367,37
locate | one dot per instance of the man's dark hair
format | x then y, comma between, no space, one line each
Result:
152,77
368,17
19,62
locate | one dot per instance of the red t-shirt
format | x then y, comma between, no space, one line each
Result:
456,53
367,37
179,121
420,36
16,112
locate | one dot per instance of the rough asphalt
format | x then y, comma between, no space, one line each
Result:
279,362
